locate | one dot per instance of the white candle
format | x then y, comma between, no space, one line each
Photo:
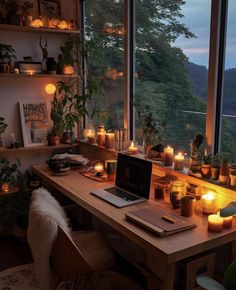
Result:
208,203
215,223
132,149
110,140
179,161
168,156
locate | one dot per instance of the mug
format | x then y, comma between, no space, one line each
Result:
111,169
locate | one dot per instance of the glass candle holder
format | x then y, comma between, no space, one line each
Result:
208,201
99,168
133,148
176,192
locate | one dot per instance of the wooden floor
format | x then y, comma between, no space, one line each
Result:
13,253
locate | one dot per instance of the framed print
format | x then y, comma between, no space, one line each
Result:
50,8
34,122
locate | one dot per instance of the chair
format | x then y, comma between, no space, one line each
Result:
80,258
229,280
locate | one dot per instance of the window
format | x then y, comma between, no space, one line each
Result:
172,68
104,30
228,133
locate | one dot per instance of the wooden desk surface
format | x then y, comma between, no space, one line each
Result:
170,249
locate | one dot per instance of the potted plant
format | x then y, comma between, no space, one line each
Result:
224,169
215,166
67,108
27,8
205,166
7,52
3,127
196,152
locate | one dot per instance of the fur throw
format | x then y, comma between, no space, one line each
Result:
45,215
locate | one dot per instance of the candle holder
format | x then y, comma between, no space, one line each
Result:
168,156
176,192
110,140
101,139
133,148
215,223
208,202
99,168
179,161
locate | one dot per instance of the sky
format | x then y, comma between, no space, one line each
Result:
197,18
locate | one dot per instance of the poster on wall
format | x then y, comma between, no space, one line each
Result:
34,122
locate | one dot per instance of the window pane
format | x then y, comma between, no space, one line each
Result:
228,137
172,46
105,48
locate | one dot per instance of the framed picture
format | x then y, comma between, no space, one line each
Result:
50,8
34,122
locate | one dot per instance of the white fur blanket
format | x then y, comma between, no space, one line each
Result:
44,217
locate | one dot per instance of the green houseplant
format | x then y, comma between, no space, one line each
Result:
7,53
27,8
67,108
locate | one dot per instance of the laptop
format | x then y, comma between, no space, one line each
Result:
132,185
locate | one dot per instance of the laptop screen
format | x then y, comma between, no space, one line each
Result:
134,175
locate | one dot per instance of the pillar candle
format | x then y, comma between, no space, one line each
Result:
101,138
179,161
215,223
132,149
208,203
168,156
227,222
91,136
110,140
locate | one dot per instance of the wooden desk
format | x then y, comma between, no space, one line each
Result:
163,253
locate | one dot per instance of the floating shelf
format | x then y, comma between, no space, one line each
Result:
38,148
37,76
20,28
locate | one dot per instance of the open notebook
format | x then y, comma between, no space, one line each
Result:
153,218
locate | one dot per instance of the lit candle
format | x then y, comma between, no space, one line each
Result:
208,203
132,149
5,187
168,156
179,161
215,223
227,222
99,168
101,138
91,136
110,140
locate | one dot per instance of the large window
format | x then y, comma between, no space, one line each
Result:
104,30
172,49
228,136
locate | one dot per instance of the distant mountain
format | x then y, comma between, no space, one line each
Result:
198,75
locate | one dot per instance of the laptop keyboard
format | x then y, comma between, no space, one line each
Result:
122,194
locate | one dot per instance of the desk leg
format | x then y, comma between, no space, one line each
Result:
164,273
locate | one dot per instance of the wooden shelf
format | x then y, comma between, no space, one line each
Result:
37,148
20,28
10,75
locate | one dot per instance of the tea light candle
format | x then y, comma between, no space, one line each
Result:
99,168
132,149
91,136
168,156
208,203
101,138
179,161
110,140
215,223
227,222
5,187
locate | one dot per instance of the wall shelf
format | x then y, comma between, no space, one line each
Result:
8,75
38,148
19,28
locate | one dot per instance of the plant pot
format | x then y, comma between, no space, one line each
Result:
67,138
51,65
53,140
206,170
224,174
215,172
28,20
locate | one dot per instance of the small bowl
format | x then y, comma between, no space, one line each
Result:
58,165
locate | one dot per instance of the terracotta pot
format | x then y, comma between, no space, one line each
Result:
224,173
215,172
53,140
206,170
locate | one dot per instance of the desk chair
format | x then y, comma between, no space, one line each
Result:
229,280
82,258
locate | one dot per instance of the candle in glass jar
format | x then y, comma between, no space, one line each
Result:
132,149
110,140
179,161
168,156
215,223
91,136
99,168
208,203
101,138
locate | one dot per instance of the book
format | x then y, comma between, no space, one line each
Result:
160,222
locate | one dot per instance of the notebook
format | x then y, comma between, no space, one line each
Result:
132,184
160,222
